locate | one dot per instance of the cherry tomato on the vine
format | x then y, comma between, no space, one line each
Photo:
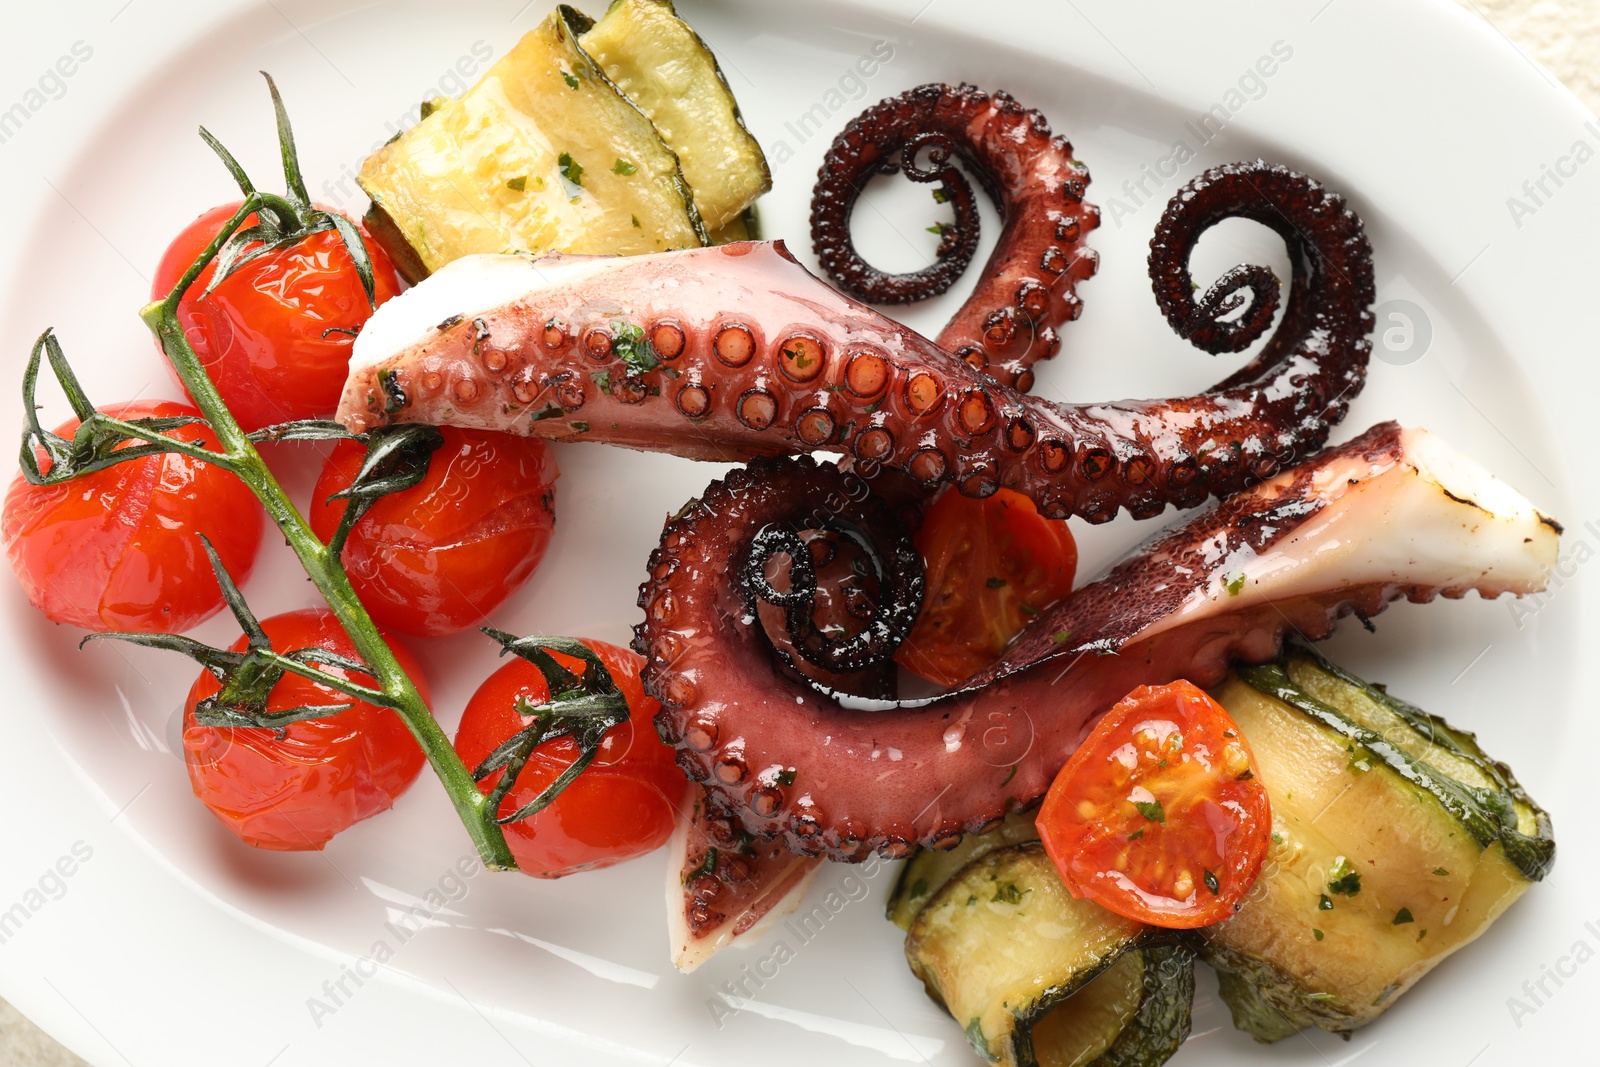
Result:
441,555
623,805
323,775
1159,815
992,566
117,549
275,336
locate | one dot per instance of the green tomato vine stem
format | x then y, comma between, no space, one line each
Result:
322,566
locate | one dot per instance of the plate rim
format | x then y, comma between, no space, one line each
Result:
1536,330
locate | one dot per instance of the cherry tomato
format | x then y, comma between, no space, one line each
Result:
443,554
1159,815
117,549
264,333
623,805
992,566
296,791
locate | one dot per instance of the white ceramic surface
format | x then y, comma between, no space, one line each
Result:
174,945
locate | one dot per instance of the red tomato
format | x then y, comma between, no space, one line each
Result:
622,806
443,554
297,791
117,549
262,334
992,566
1159,815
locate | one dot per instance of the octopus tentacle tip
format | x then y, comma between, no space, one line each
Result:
1028,286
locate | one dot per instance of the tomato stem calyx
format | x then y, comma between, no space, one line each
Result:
97,442
247,678
397,458
283,221
582,707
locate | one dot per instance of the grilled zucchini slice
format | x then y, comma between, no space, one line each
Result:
543,153
1035,976
926,872
663,66
1396,841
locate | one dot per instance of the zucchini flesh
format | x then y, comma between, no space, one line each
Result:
1035,976
543,153
926,872
663,66
745,227
1076,1030
1383,862
1073,1033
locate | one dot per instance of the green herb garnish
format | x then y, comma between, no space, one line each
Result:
571,173
630,345
1343,879
1151,809
707,865
1008,893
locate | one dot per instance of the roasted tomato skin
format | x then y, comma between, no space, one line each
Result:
275,336
1159,814
322,776
440,556
624,805
992,565
118,549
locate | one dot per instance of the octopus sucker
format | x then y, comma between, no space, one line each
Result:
1392,514
1028,287
774,361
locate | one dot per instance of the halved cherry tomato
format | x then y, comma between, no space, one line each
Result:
117,549
323,775
275,336
1159,815
992,565
441,555
623,805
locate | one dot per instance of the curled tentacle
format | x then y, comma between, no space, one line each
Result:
1027,289
1207,324
1292,555
843,606
737,351
958,240
899,581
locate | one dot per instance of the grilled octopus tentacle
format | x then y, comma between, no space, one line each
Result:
1392,514
737,351
1027,289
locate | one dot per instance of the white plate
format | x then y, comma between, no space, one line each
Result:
174,945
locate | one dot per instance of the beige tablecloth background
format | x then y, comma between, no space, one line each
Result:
1562,35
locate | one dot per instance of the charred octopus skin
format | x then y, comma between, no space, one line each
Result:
1392,514
738,351
1029,287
